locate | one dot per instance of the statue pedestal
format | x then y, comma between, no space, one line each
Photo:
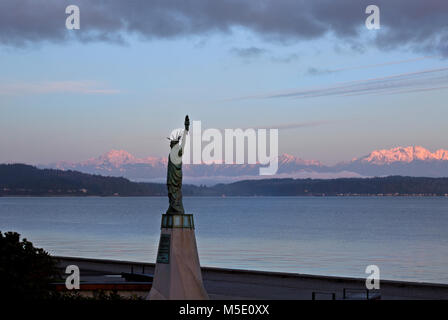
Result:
178,273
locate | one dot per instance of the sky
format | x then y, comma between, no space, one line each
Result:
134,69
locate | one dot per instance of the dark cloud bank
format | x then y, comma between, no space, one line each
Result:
420,25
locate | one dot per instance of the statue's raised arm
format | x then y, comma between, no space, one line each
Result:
184,135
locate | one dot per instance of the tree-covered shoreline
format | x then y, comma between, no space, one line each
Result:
26,180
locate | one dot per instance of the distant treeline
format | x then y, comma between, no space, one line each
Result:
19,179
25,180
392,185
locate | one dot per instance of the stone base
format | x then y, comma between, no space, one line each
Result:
178,273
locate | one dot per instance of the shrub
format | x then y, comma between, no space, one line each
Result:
25,271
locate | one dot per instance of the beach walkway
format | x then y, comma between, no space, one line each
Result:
241,284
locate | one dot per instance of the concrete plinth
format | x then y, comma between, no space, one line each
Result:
177,274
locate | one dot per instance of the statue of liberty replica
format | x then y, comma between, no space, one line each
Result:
174,176
177,274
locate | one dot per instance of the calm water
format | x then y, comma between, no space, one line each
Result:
406,237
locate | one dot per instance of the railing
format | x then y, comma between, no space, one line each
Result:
315,293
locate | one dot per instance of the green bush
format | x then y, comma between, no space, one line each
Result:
25,271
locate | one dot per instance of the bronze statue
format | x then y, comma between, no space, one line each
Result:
174,175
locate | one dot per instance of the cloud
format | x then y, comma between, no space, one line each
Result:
298,125
80,87
425,80
251,52
418,25
293,125
312,71
318,71
286,59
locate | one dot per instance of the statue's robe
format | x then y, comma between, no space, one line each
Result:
174,178
174,184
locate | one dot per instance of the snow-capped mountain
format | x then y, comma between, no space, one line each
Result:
117,163
407,154
122,163
409,161
112,159
405,161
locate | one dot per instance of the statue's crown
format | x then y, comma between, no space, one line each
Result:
176,134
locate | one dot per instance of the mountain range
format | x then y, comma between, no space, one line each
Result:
406,161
